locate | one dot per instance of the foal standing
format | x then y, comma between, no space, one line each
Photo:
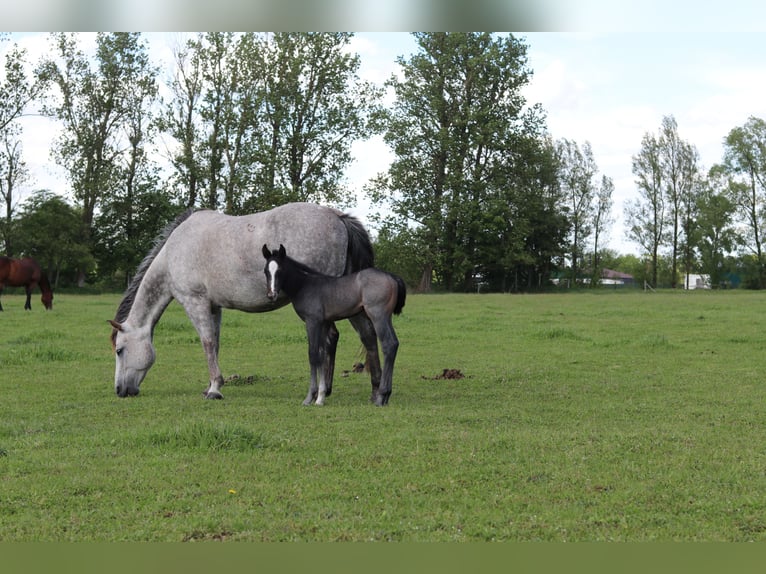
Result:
322,299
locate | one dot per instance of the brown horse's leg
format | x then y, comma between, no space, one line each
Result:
28,304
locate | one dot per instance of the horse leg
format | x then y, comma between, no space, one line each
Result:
389,343
329,362
317,338
1,293
28,304
207,322
366,331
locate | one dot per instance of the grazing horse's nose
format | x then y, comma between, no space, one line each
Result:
125,391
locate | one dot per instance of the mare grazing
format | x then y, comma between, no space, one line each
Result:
25,273
208,261
320,299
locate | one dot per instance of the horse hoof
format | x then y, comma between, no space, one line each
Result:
212,395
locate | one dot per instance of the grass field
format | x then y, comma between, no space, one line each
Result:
581,417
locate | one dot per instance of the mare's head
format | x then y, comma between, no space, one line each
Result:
274,262
134,354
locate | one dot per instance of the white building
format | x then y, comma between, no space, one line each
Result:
695,281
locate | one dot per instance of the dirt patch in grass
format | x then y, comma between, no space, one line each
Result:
446,374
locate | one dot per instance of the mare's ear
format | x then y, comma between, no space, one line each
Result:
265,251
282,252
115,324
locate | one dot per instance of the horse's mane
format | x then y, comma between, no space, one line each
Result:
130,293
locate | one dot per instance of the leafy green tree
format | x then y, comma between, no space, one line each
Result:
263,119
52,231
527,227
716,234
745,164
398,249
118,253
315,107
457,115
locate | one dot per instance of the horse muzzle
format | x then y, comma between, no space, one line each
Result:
126,391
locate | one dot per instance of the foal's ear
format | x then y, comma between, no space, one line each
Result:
265,251
282,252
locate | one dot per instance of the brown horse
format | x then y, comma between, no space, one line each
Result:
25,273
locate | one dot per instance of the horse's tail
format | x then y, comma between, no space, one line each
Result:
360,254
401,294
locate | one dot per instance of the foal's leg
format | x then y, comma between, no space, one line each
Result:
366,331
207,320
390,345
316,332
329,363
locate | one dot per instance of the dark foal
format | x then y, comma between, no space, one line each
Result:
320,299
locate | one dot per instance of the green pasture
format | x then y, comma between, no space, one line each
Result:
580,417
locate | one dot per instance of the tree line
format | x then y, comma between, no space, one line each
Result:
478,194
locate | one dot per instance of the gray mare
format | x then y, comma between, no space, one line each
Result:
208,261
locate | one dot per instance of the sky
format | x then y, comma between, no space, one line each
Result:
608,89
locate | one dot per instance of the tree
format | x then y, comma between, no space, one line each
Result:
53,232
745,165
577,169
645,216
99,109
180,119
13,173
678,162
601,221
17,91
315,107
266,119
716,235
457,115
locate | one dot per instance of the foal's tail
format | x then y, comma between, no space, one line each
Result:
360,254
401,294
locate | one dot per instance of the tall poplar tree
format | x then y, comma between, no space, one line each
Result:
645,216
577,172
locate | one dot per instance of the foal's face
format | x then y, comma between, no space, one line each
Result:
272,272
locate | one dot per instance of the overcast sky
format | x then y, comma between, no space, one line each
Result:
605,88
